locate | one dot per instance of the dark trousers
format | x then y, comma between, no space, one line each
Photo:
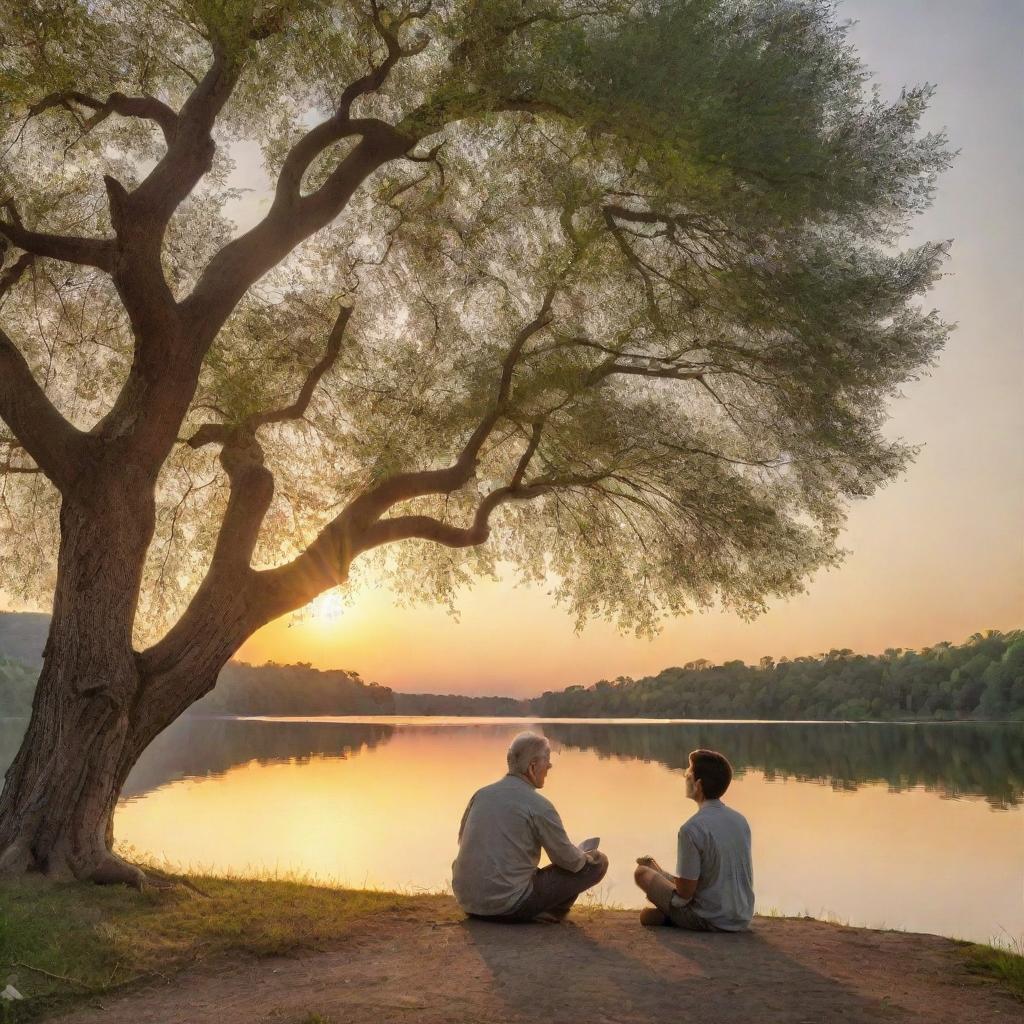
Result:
554,890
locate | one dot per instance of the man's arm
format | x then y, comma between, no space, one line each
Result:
557,845
687,866
685,887
465,815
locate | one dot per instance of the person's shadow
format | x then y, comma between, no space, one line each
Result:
610,969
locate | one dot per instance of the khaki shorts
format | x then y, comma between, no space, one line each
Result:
680,913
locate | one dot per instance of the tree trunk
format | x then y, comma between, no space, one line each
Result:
58,800
98,703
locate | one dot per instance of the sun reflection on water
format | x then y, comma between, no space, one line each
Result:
387,815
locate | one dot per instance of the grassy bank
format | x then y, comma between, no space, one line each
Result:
62,944
1005,965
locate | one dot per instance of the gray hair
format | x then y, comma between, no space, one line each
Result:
523,749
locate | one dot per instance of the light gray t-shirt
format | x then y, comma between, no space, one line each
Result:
502,832
714,848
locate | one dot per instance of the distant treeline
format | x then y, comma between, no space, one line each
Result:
292,690
300,689
457,704
982,678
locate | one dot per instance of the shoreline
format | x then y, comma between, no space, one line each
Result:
228,951
579,720
588,720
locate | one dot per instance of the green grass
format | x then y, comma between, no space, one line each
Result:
62,944
1006,965
65,943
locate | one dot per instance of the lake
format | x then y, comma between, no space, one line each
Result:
912,826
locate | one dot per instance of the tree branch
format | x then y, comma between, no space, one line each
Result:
293,217
387,531
229,579
55,446
245,259
404,486
775,463
90,252
221,433
148,108
190,149
297,409
667,372
223,596
653,310
340,125
13,274
417,527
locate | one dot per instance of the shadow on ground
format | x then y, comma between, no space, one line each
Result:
431,966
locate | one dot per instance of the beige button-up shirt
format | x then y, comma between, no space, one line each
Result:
502,832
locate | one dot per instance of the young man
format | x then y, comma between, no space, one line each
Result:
503,830
713,886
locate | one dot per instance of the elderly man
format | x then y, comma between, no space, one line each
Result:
503,830
713,888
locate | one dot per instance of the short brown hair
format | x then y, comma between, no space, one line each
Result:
712,770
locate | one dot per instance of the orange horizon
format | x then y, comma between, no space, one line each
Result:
937,555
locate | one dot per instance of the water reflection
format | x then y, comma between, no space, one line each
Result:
197,748
865,822
955,760
369,805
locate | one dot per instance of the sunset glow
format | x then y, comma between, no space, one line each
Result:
327,608
935,556
350,819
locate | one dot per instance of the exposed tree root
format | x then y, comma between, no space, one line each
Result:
113,870
158,879
15,861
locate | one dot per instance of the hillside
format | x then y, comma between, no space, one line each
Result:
981,679
241,689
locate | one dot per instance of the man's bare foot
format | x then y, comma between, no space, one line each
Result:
651,917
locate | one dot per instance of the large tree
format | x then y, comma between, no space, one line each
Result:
611,286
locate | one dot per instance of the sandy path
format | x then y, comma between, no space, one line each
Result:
428,967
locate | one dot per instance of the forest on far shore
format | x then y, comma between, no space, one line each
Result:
980,679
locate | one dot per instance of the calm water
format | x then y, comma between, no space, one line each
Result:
918,827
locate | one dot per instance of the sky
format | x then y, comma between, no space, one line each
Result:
937,555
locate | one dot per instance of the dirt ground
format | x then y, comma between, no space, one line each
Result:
597,967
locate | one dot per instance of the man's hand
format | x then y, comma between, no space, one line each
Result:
649,862
593,856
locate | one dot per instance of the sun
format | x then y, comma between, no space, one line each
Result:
328,607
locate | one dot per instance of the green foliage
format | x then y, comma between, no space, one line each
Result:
1005,965
457,704
983,678
696,202
956,760
293,690
92,940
